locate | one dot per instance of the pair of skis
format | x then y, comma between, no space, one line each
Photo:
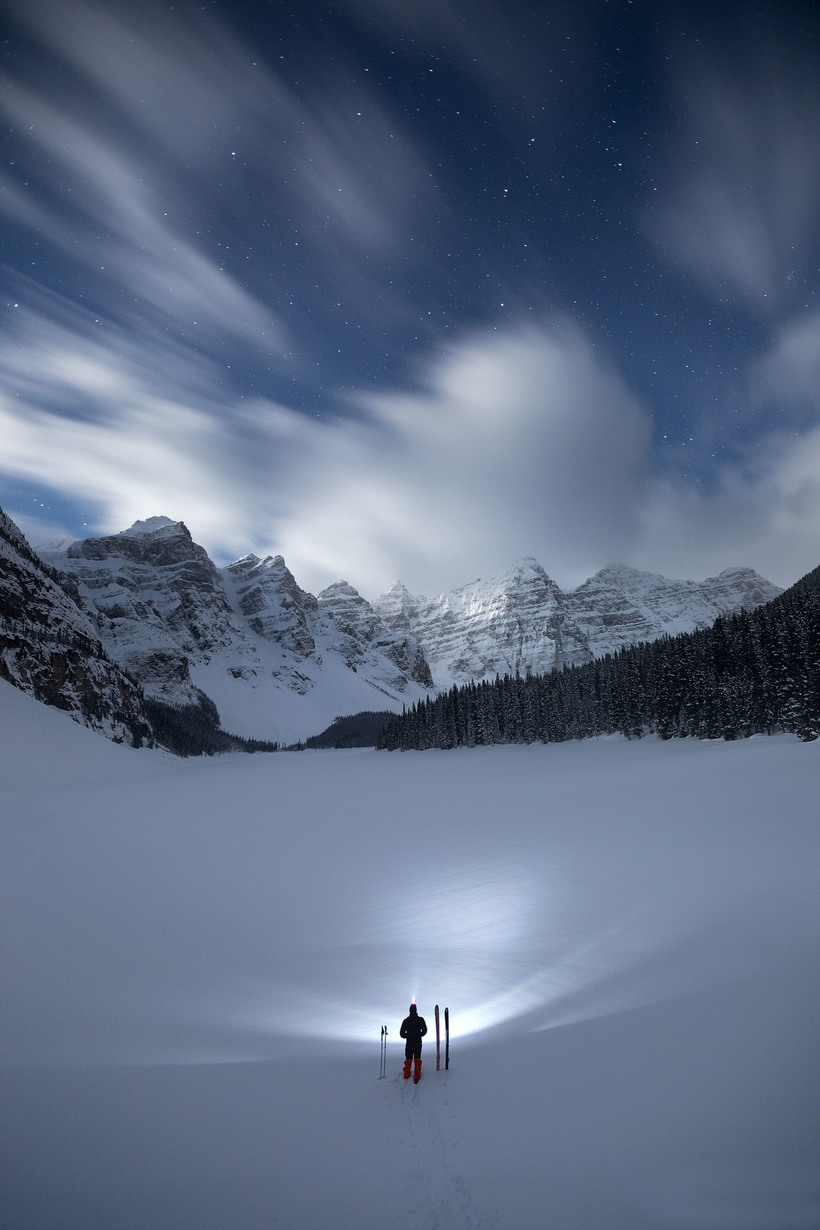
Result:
446,1040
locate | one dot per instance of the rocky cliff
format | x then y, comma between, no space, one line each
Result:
51,649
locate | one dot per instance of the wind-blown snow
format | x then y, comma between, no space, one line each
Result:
198,957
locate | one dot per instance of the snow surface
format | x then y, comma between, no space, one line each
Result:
198,957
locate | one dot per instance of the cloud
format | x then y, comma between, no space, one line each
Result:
763,513
521,443
789,375
742,193
110,217
524,442
88,412
762,508
164,174
176,175
194,123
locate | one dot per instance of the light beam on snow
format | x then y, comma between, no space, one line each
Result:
489,942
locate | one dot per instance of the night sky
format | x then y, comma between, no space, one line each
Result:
414,288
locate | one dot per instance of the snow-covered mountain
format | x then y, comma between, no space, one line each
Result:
278,662
52,650
523,622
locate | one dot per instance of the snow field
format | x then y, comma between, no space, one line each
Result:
198,957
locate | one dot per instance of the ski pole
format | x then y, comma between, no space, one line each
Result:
446,1039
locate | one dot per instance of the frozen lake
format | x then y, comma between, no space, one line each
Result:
198,958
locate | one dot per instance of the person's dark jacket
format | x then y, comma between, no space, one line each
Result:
413,1028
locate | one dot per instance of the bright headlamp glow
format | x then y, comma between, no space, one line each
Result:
486,943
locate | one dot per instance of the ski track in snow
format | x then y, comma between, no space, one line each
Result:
437,1197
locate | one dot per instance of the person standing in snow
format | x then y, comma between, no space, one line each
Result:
413,1029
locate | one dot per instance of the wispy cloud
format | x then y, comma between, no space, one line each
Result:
194,209
741,197
788,376
130,441
763,508
528,429
764,513
523,442
164,150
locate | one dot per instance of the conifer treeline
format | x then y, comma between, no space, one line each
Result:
194,730
750,673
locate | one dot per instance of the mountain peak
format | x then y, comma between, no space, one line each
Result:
527,569
620,576
149,526
339,589
399,592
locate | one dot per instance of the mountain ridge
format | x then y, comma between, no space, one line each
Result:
280,664
523,621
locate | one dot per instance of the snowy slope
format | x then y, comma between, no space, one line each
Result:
41,747
198,957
